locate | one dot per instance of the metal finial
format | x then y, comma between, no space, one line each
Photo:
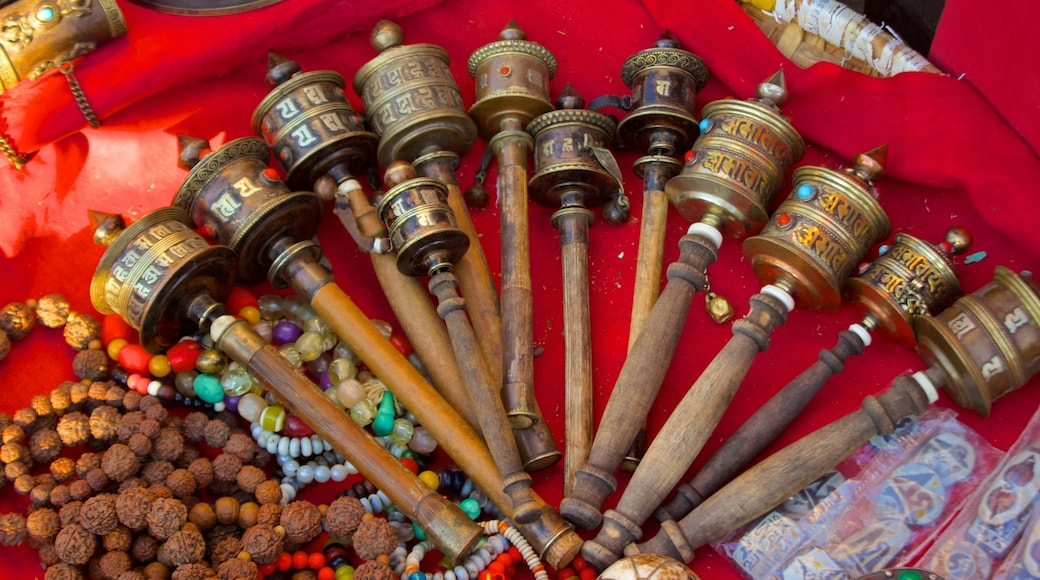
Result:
569,99
667,40
190,150
386,35
773,89
870,165
512,31
956,241
106,226
398,172
279,68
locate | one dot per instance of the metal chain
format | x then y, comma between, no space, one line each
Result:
11,153
66,69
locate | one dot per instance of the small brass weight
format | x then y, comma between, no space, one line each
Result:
166,281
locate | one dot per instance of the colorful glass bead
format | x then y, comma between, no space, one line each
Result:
272,418
289,353
401,434
317,325
265,329
251,314
208,388
349,392
343,350
422,441
184,355
236,381
114,347
295,427
341,369
211,361
285,332
384,328
345,573
383,424
250,407
270,307
159,366
363,412
470,507
184,382
309,345
134,358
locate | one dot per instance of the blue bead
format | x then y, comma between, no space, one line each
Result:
417,576
705,124
419,533
805,191
45,14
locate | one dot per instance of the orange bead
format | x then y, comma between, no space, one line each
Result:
515,554
251,314
410,464
326,573
114,347
284,562
315,561
496,567
299,559
134,358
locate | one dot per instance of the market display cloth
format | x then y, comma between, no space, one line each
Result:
962,151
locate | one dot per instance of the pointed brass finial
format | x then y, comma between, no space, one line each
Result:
386,35
666,40
190,150
870,165
774,89
279,68
512,31
956,241
569,99
106,226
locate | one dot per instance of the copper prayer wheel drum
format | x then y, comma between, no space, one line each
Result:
564,160
665,80
512,80
39,36
913,278
233,192
987,343
422,226
411,98
818,236
312,128
152,271
736,166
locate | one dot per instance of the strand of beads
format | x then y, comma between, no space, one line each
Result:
521,544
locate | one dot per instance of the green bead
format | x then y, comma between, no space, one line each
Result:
309,345
289,353
343,350
363,412
406,452
383,424
345,573
305,313
419,533
470,507
236,382
208,388
317,325
273,418
341,369
402,431
909,575
270,307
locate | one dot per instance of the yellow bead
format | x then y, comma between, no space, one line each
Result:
244,555
159,366
430,479
115,346
251,314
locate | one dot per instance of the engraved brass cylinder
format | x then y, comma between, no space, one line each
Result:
736,166
987,343
818,236
512,81
913,278
312,128
665,80
564,157
153,270
411,99
234,193
39,36
422,226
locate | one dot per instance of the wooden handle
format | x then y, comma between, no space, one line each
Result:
786,472
574,248
638,382
762,428
446,525
491,413
686,430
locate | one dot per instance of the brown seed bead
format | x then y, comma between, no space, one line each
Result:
5,345
195,425
132,482
104,422
156,471
91,364
144,548
78,392
133,506
44,445
160,490
262,543
344,516
242,446
270,514
181,483
98,515
236,569
115,563
226,509
157,412
226,468
182,547
60,495
87,462
374,570
80,330
190,453
12,529
202,470
262,458
150,428
69,513
202,515
194,571
216,433
304,575
168,445
96,393
269,491
97,480
41,494
5,420
302,522
114,396
157,571
60,400
63,469
129,424
24,484
118,539
131,400
11,452
25,417
249,477
166,517
225,549
13,471
62,571
248,512
43,524
120,463
139,444
80,490
131,575
75,545
148,401
53,310
13,434
373,537
17,320
42,405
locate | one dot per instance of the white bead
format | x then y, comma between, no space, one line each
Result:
377,505
367,504
272,444
262,438
219,407
461,573
706,231
780,294
288,493
863,333
350,467
449,575
153,387
927,386
338,473
317,445
290,467
305,446
322,474
255,430
283,446
473,566
305,474
294,447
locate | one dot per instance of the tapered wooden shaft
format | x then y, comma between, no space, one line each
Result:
573,222
490,411
687,428
640,379
475,279
762,428
444,523
789,470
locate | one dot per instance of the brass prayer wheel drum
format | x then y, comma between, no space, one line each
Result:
665,80
411,98
422,226
311,127
152,272
512,80
234,193
820,233
987,343
738,163
565,159
912,278
40,36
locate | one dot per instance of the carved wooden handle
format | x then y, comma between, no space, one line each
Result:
639,381
784,473
686,430
762,428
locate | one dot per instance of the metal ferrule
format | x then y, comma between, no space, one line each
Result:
512,81
421,225
153,270
39,36
913,278
564,157
247,208
818,236
311,127
986,343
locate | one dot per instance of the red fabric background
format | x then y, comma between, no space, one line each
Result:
961,152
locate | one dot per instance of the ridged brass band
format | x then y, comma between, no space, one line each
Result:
212,164
761,114
664,57
582,116
505,47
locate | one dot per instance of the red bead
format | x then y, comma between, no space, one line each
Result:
266,569
515,554
410,464
326,573
315,561
566,574
690,155
783,219
113,327
587,574
295,427
401,343
134,358
184,355
504,70
271,174
299,559
579,563
489,575
496,567
239,299
946,247
204,232
284,561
